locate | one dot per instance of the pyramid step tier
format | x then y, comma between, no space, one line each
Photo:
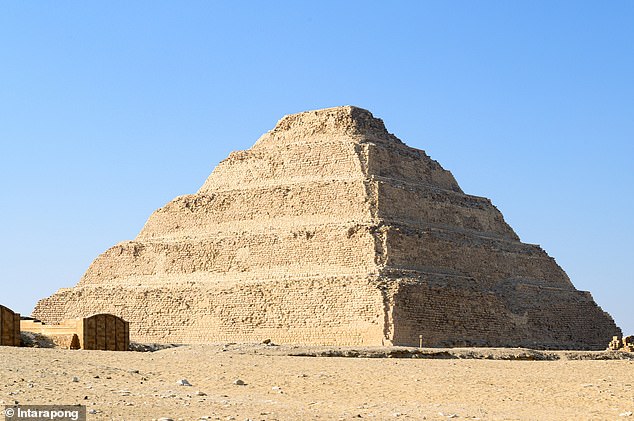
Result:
313,201
330,249
343,158
343,311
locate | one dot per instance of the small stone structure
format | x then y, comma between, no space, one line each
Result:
626,344
615,344
332,231
9,327
105,332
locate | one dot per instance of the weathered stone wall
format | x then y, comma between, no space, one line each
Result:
286,164
283,206
446,310
9,327
400,163
332,311
432,207
61,334
452,313
321,126
487,260
301,251
103,331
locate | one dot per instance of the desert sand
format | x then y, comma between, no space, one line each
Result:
280,386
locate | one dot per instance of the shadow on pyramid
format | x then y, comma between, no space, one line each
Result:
331,231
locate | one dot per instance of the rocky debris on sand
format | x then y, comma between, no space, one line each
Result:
35,340
150,347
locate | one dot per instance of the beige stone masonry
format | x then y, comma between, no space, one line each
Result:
105,332
332,231
9,327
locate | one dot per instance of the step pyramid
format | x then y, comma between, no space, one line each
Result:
332,231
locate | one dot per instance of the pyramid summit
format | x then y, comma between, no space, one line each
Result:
332,231
338,121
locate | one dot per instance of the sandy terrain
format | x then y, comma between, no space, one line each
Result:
143,385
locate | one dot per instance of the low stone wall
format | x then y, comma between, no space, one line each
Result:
9,327
105,332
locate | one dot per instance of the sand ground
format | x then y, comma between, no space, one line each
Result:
143,385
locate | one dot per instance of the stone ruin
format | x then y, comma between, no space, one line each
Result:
332,231
105,332
9,327
626,344
99,331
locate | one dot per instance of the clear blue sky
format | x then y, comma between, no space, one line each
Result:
108,110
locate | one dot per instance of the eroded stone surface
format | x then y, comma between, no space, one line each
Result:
330,230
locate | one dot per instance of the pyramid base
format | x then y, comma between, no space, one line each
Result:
333,311
346,312
516,314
